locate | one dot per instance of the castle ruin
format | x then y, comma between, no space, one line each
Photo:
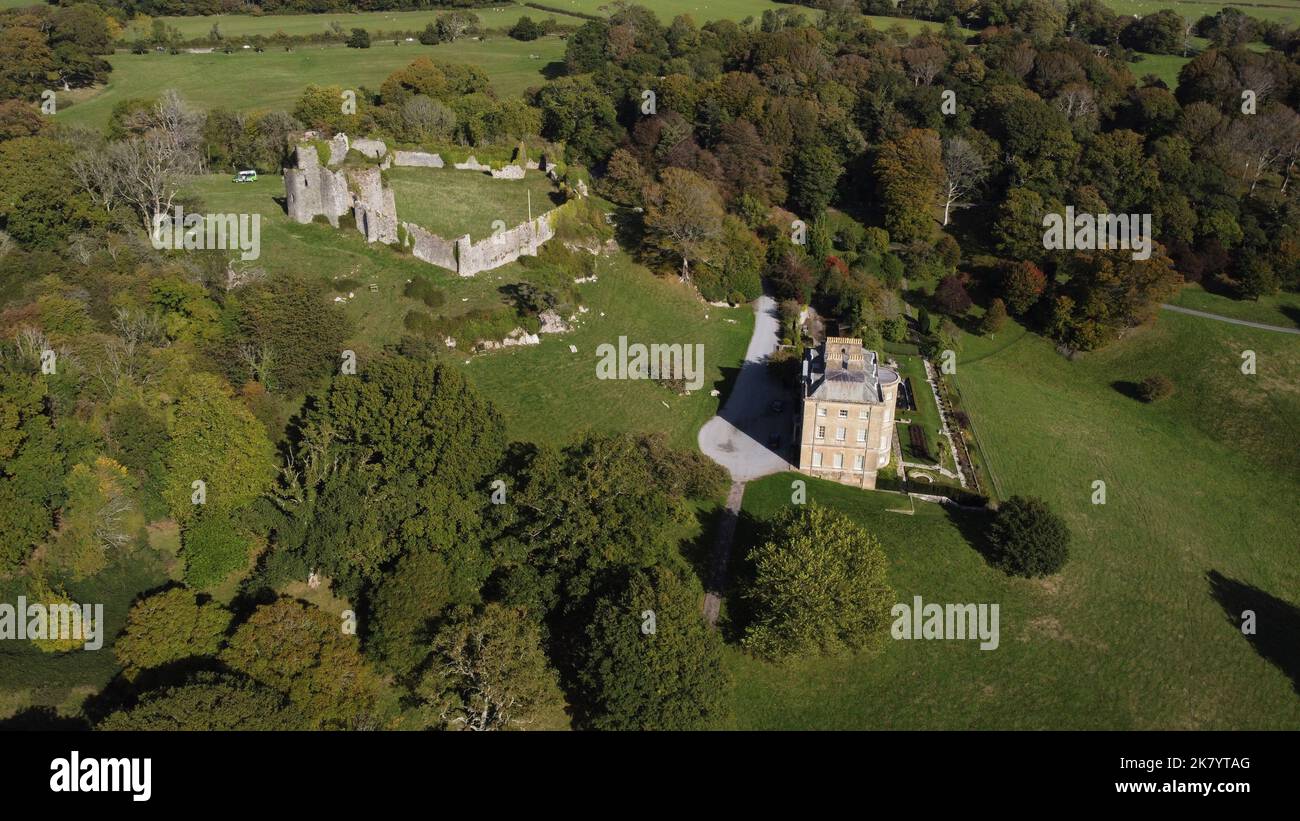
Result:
313,190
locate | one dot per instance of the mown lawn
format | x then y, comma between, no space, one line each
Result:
1164,66
1281,309
926,416
450,203
1201,494
250,81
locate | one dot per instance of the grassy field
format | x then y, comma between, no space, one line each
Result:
545,392
1164,66
548,394
234,26
451,203
1198,9
1281,309
275,79
701,10
1200,498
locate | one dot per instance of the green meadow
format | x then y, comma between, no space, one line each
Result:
251,81
1198,525
235,26
546,393
1282,309
701,10
549,394
1286,11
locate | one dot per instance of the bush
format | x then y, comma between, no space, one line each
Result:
1027,539
894,330
1156,387
418,322
875,241
212,550
430,35
891,267
360,38
526,29
425,291
994,318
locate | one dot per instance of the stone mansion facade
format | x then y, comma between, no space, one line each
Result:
846,425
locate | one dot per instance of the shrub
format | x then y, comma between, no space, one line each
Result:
430,36
1156,387
418,322
425,291
526,29
360,38
994,318
951,296
894,330
875,241
1027,539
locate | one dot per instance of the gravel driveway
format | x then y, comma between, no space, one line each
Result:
737,437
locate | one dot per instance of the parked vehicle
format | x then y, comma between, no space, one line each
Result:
246,176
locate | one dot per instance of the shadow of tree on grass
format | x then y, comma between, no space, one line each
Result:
1277,623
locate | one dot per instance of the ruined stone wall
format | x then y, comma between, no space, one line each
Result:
422,159
338,149
374,206
510,172
522,240
472,164
374,149
431,248
311,190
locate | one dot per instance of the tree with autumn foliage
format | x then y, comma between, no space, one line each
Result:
910,172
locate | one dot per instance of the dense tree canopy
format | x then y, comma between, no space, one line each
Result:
651,663
819,586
